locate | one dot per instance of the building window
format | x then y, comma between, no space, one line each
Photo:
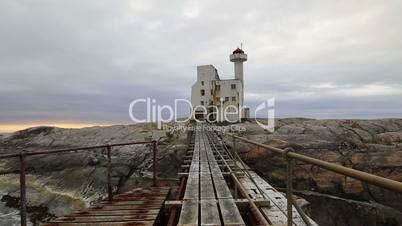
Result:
202,83
226,98
233,98
202,92
233,86
218,87
202,102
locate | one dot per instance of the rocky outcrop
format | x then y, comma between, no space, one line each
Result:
340,211
78,178
58,183
372,146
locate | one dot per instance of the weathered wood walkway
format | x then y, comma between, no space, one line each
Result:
211,184
208,195
207,199
139,207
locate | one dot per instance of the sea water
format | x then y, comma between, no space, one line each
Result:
9,216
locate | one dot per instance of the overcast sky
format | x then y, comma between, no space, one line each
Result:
82,62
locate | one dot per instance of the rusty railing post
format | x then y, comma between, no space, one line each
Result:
235,190
23,200
289,185
154,162
109,174
234,144
301,212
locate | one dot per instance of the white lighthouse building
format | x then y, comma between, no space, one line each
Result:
216,99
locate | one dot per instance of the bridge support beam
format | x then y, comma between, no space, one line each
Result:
289,189
154,163
109,174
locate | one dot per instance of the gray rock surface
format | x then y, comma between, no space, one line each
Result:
373,146
61,182
80,177
340,211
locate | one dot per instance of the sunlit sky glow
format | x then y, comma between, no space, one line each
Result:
79,63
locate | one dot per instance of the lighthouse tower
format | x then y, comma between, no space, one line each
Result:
238,57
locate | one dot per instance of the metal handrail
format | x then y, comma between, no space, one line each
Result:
303,215
5,156
22,158
357,174
290,155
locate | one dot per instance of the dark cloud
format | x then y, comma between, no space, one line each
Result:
85,61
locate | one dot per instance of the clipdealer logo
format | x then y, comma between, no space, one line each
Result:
167,113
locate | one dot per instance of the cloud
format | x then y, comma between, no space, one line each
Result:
326,85
370,90
85,61
330,90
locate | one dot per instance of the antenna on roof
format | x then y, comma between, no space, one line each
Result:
241,45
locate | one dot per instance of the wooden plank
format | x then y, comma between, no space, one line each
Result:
138,207
215,168
115,212
217,175
205,177
191,191
204,167
277,199
222,189
128,207
203,160
230,213
193,178
206,187
212,160
276,213
213,164
92,219
129,202
195,157
122,223
209,213
189,213
273,213
250,188
194,167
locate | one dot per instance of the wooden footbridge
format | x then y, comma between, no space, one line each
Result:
220,190
216,188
